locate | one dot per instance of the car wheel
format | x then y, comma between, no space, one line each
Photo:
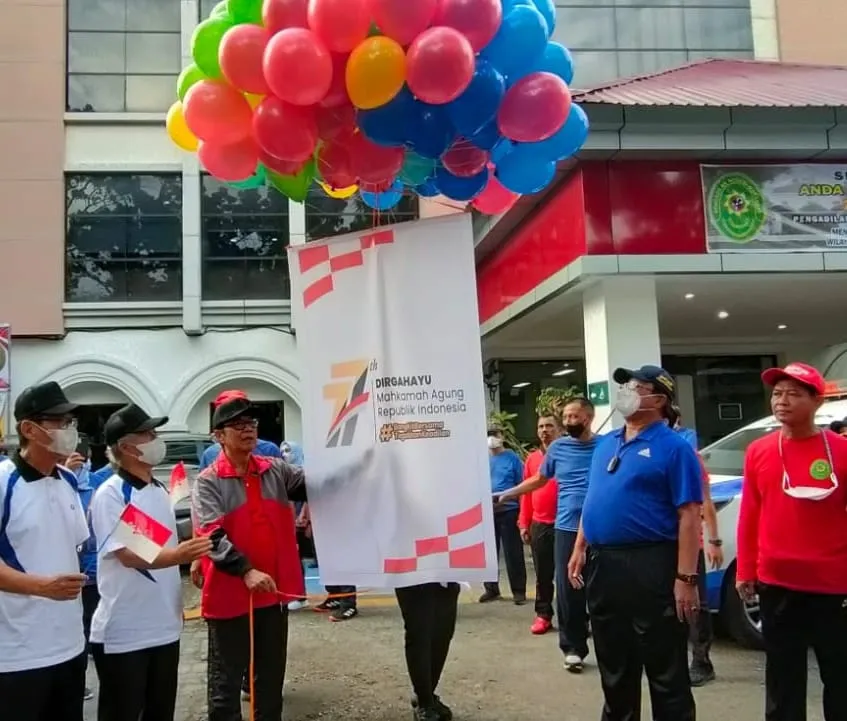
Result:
742,620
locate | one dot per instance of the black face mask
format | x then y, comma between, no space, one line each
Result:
575,430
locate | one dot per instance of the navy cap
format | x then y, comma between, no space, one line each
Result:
659,377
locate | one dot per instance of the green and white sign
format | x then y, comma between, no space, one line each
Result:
598,393
775,208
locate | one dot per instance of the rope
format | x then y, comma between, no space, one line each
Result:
252,666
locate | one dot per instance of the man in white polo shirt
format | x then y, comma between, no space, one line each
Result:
136,628
42,645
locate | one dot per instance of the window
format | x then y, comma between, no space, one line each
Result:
123,55
245,235
124,238
327,217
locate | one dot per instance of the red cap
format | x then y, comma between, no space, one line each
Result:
800,372
226,396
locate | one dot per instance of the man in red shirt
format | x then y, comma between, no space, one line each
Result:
537,523
792,546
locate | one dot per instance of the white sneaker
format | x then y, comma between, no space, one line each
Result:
298,605
574,663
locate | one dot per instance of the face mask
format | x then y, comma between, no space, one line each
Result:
575,430
63,441
494,443
809,493
628,401
153,452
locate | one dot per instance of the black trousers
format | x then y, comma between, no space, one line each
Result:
229,661
90,599
139,685
633,618
792,623
508,536
52,693
701,633
571,605
345,595
543,545
429,617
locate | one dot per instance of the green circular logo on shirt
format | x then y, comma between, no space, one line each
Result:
820,470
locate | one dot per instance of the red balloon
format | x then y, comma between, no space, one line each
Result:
334,166
230,163
464,160
287,132
298,67
439,65
283,167
217,112
379,187
335,122
374,163
494,199
341,24
403,20
337,94
477,20
281,14
534,108
240,54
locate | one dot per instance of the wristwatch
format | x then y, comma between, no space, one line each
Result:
716,542
690,579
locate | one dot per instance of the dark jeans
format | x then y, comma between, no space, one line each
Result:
570,602
631,600
90,599
429,617
229,660
139,685
52,693
701,633
508,535
345,595
792,623
543,545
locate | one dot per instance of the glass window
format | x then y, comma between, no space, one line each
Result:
245,236
122,54
124,237
586,27
718,28
726,457
327,217
648,28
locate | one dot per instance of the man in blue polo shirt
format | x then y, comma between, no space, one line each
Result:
641,526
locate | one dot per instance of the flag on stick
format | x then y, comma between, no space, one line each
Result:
179,488
141,534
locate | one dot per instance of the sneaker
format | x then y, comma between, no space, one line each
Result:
245,695
88,694
344,614
328,604
425,714
443,711
701,674
541,626
298,605
489,596
574,663
519,598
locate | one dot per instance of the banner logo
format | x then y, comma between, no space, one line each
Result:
737,207
350,395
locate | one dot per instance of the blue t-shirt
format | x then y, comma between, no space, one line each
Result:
506,472
263,448
568,461
88,554
690,436
657,473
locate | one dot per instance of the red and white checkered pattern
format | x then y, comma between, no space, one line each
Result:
462,547
322,261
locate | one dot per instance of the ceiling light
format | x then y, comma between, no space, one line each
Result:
564,372
522,384
781,326
723,315
689,296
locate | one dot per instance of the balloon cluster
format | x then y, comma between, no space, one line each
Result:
467,99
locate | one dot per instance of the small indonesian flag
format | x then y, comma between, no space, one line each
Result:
179,484
141,534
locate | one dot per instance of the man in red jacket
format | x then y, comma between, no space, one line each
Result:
792,546
537,521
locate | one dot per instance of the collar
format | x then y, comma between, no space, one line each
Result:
255,465
137,483
28,473
648,433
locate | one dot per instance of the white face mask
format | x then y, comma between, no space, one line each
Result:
63,441
153,452
627,402
494,443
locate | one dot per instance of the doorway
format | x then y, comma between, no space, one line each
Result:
90,421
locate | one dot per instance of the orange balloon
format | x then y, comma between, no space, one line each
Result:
376,71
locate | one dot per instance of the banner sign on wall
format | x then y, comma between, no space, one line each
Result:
775,208
5,378
388,336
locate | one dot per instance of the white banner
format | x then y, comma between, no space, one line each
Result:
388,336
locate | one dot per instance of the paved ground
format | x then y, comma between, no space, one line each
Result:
497,671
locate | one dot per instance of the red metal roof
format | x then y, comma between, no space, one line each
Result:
729,83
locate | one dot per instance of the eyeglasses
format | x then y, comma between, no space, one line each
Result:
56,422
243,424
810,493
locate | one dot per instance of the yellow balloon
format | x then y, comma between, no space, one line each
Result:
254,100
339,193
177,129
376,71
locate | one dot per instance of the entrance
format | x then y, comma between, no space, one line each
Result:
90,422
271,420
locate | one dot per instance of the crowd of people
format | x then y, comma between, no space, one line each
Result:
614,522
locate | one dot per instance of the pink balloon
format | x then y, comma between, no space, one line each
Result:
337,94
439,65
372,163
281,14
287,132
240,54
334,165
464,160
298,67
341,24
494,199
402,20
477,20
230,163
534,108
283,167
217,112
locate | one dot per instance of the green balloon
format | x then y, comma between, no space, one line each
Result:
221,10
190,75
204,45
374,30
416,169
257,180
246,11
295,187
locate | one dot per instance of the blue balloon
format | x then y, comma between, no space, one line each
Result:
500,150
460,189
547,8
557,60
519,42
429,131
523,173
480,101
487,137
385,200
427,189
563,144
386,125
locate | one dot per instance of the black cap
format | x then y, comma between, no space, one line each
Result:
43,401
129,419
230,410
837,426
659,377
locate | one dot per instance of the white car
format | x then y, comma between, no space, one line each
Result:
725,462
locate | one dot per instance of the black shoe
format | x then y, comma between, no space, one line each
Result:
328,604
425,714
519,598
343,614
445,713
701,674
489,596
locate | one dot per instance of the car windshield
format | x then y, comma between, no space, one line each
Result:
185,450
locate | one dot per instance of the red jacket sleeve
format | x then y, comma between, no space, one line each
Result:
748,522
525,515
